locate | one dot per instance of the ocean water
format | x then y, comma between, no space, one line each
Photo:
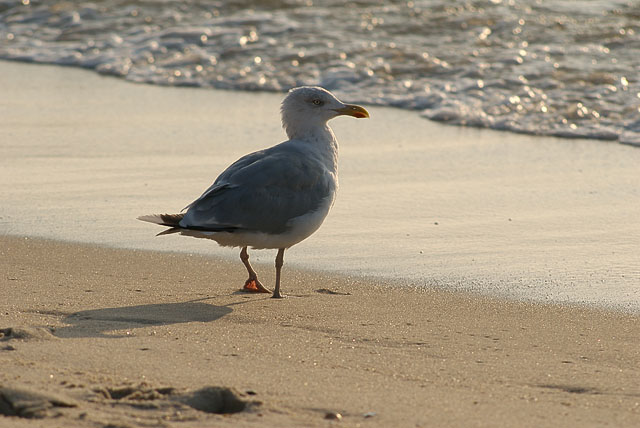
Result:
553,67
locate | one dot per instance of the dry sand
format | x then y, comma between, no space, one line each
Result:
124,338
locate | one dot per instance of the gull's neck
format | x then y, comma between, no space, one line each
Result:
306,129
320,137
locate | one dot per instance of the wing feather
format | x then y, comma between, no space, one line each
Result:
263,191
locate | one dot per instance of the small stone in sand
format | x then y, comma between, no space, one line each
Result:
333,416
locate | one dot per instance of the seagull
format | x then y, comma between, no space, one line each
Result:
276,197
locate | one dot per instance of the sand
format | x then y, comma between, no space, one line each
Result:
122,335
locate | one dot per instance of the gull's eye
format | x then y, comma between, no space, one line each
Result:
317,102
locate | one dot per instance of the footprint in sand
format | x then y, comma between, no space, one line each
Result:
25,403
211,399
26,333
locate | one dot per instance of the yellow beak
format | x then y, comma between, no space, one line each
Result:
353,110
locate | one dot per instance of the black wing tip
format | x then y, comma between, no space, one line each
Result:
173,222
169,231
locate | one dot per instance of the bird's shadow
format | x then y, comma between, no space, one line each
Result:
96,322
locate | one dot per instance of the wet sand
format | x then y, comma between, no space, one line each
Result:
82,155
122,335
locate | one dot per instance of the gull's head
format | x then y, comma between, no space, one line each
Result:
307,107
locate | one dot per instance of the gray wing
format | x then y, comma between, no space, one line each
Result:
262,191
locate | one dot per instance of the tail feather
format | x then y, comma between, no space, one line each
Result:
169,220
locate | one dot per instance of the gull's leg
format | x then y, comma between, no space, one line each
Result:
279,263
252,284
